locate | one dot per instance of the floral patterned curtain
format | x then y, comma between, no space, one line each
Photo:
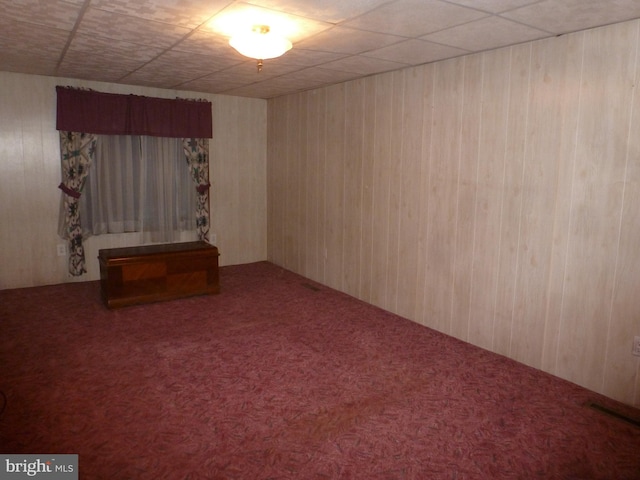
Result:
196,151
77,151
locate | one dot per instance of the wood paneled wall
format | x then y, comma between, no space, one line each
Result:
494,197
30,174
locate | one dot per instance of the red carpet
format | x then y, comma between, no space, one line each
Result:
279,378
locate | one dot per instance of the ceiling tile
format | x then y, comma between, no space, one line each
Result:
334,11
214,83
235,77
130,29
485,34
305,58
563,16
493,6
38,55
114,58
416,52
412,18
348,40
314,77
36,64
184,44
248,72
266,89
93,70
184,13
207,43
174,68
60,14
91,47
51,39
363,65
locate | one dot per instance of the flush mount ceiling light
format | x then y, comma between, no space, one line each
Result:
260,43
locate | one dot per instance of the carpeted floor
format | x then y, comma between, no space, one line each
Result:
280,378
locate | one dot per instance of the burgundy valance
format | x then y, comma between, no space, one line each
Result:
88,111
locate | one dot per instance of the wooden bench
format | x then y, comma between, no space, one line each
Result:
152,273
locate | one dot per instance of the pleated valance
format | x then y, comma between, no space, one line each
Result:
102,113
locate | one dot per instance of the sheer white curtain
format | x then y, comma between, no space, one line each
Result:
139,184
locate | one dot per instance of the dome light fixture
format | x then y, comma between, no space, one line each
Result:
260,43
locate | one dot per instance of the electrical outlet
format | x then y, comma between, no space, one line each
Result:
213,239
636,346
62,249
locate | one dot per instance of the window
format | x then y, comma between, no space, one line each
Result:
139,184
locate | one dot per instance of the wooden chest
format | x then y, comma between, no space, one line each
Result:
153,273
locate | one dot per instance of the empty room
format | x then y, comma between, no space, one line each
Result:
403,244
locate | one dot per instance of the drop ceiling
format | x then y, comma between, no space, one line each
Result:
183,44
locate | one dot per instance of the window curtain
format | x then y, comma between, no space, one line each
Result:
196,151
81,110
139,184
77,151
102,113
164,224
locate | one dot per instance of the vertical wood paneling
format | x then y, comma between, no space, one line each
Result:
33,131
409,191
621,377
394,173
296,168
253,183
443,192
381,189
225,191
564,70
323,140
488,206
354,140
597,203
493,197
543,138
335,187
14,182
467,197
250,177
426,103
237,172
276,177
303,173
367,232
512,197
313,188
